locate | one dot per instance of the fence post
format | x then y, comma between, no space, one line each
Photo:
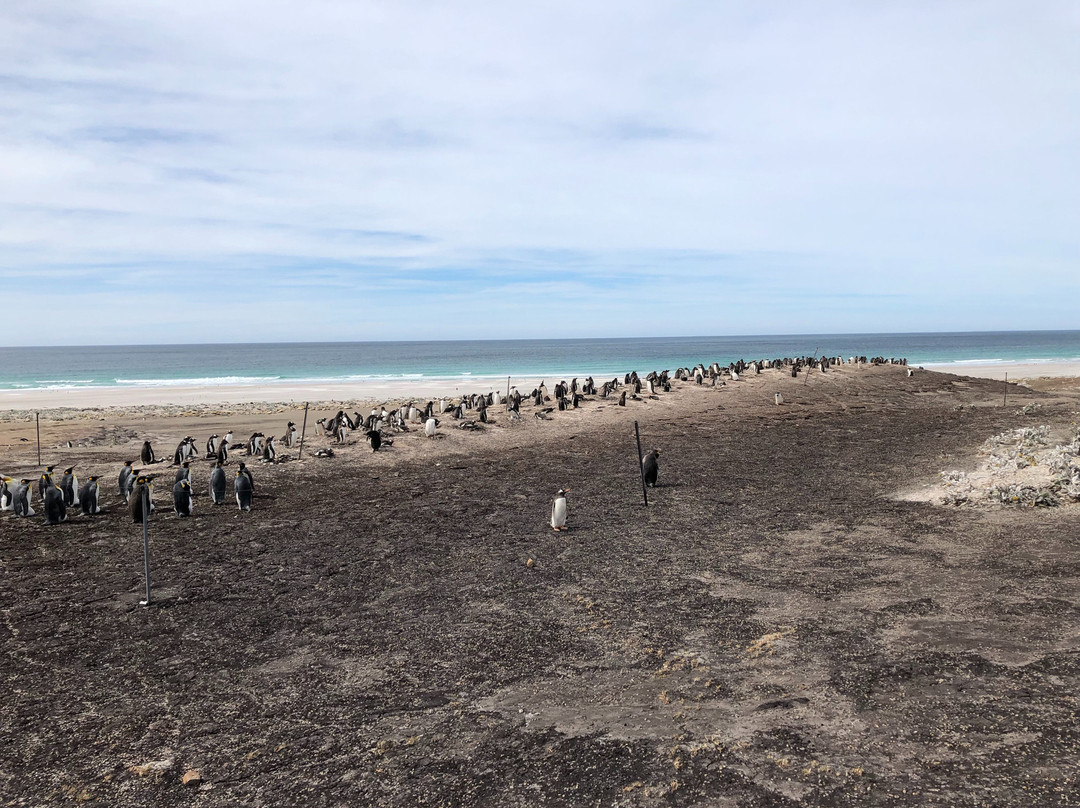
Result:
641,470
146,539
303,431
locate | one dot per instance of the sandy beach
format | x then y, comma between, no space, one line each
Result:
797,618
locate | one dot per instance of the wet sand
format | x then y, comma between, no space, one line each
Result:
783,625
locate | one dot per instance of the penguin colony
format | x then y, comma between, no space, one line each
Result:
135,486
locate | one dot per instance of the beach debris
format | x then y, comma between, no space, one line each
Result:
191,778
154,768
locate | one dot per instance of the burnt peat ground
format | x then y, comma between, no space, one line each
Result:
776,629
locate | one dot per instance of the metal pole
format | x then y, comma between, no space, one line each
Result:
146,539
507,397
37,426
1004,401
641,469
303,431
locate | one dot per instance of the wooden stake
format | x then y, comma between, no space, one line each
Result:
303,431
508,394
37,426
641,469
145,494
1004,401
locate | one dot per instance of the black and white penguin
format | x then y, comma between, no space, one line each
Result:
223,450
292,437
255,443
124,482
622,399
184,472
147,454
211,445
269,452
55,509
242,488
650,467
20,502
217,484
429,427
247,473
375,439
181,497
45,481
88,496
69,487
7,493
180,455
141,494
558,510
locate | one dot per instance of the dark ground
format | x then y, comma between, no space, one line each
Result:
776,629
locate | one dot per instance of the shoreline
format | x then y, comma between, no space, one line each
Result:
295,394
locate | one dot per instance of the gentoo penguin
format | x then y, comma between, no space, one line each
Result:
558,510
7,493
55,509
217,484
375,439
20,502
622,399
650,467
69,487
124,482
147,453
223,450
184,472
255,444
45,481
144,489
211,445
429,427
181,497
291,435
242,487
269,452
180,455
228,437
88,496
779,399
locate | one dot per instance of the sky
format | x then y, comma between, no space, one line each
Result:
285,171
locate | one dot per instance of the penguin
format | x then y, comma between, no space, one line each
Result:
69,487
21,500
291,435
144,489
180,455
184,472
779,399
375,439
147,453
255,444
242,469
650,467
7,494
88,496
622,399
223,450
123,483
44,482
55,509
181,497
242,488
558,510
269,452
429,427
211,445
217,484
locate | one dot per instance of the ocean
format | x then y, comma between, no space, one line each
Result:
134,366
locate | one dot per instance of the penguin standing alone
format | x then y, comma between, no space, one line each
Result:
558,510
375,439
147,453
650,467
182,502
269,452
88,496
7,495
242,487
217,484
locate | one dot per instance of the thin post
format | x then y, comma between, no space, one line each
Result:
303,431
641,469
507,396
146,539
1004,401
37,426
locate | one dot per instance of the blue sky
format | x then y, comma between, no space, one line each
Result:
352,170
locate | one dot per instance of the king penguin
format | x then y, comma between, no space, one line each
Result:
69,487
45,481
144,489
123,482
21,501
558,510
7,493
650,467
184,472
181,497
88,496
217,484
55,509
242,487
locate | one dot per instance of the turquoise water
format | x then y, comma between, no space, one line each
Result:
56,368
